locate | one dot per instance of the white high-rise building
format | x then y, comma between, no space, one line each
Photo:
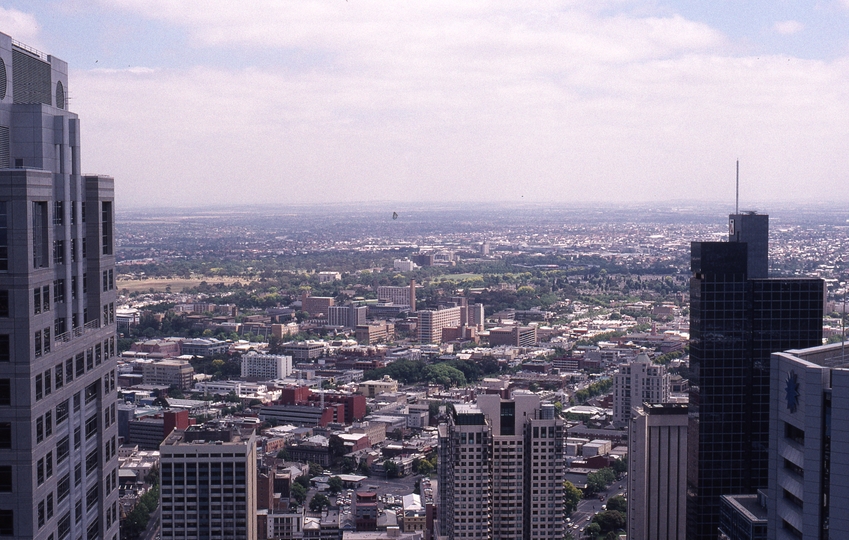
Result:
266,367
521,454
657,472
637,383
404,265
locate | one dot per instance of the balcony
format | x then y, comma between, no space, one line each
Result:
79,331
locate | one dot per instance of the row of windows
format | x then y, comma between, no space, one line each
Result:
45,383
59,212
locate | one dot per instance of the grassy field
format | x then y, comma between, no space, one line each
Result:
462,277
161,284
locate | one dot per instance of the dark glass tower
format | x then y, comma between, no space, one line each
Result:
738,317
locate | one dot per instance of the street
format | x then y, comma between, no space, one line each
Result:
587,508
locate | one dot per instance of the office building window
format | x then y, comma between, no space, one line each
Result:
59,376
59,290
63,449
4,303
5,478
106,227
5,353
5,391
58,252
58,213
5,435
7,520
4,240
39,235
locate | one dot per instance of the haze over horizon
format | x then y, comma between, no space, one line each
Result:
619,101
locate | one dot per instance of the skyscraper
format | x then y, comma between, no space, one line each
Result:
501,469
58,429
738,317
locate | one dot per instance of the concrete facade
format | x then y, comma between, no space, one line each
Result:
657,478
809,444
58,419
208,484
266,367
640,381
431,323
515,462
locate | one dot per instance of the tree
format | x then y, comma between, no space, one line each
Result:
349,464
318,502
618,503
337,447
316,470
283,454
610,520
391,469
444,374
599,480
593,530
423,467
335,484
298,493
303,480
620,465
571,497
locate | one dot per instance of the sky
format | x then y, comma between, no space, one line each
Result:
213,102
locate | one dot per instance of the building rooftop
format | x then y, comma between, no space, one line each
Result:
747,505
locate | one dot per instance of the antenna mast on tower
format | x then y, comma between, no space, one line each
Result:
737,205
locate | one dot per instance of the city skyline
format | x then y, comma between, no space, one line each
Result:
349,101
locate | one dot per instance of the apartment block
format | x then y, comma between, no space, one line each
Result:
636,383
266,367
347,316
432,321
501,470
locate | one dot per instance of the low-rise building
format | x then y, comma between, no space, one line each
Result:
373,388
205,347
177,373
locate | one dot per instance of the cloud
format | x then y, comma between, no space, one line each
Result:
21,26
789,27
552,101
